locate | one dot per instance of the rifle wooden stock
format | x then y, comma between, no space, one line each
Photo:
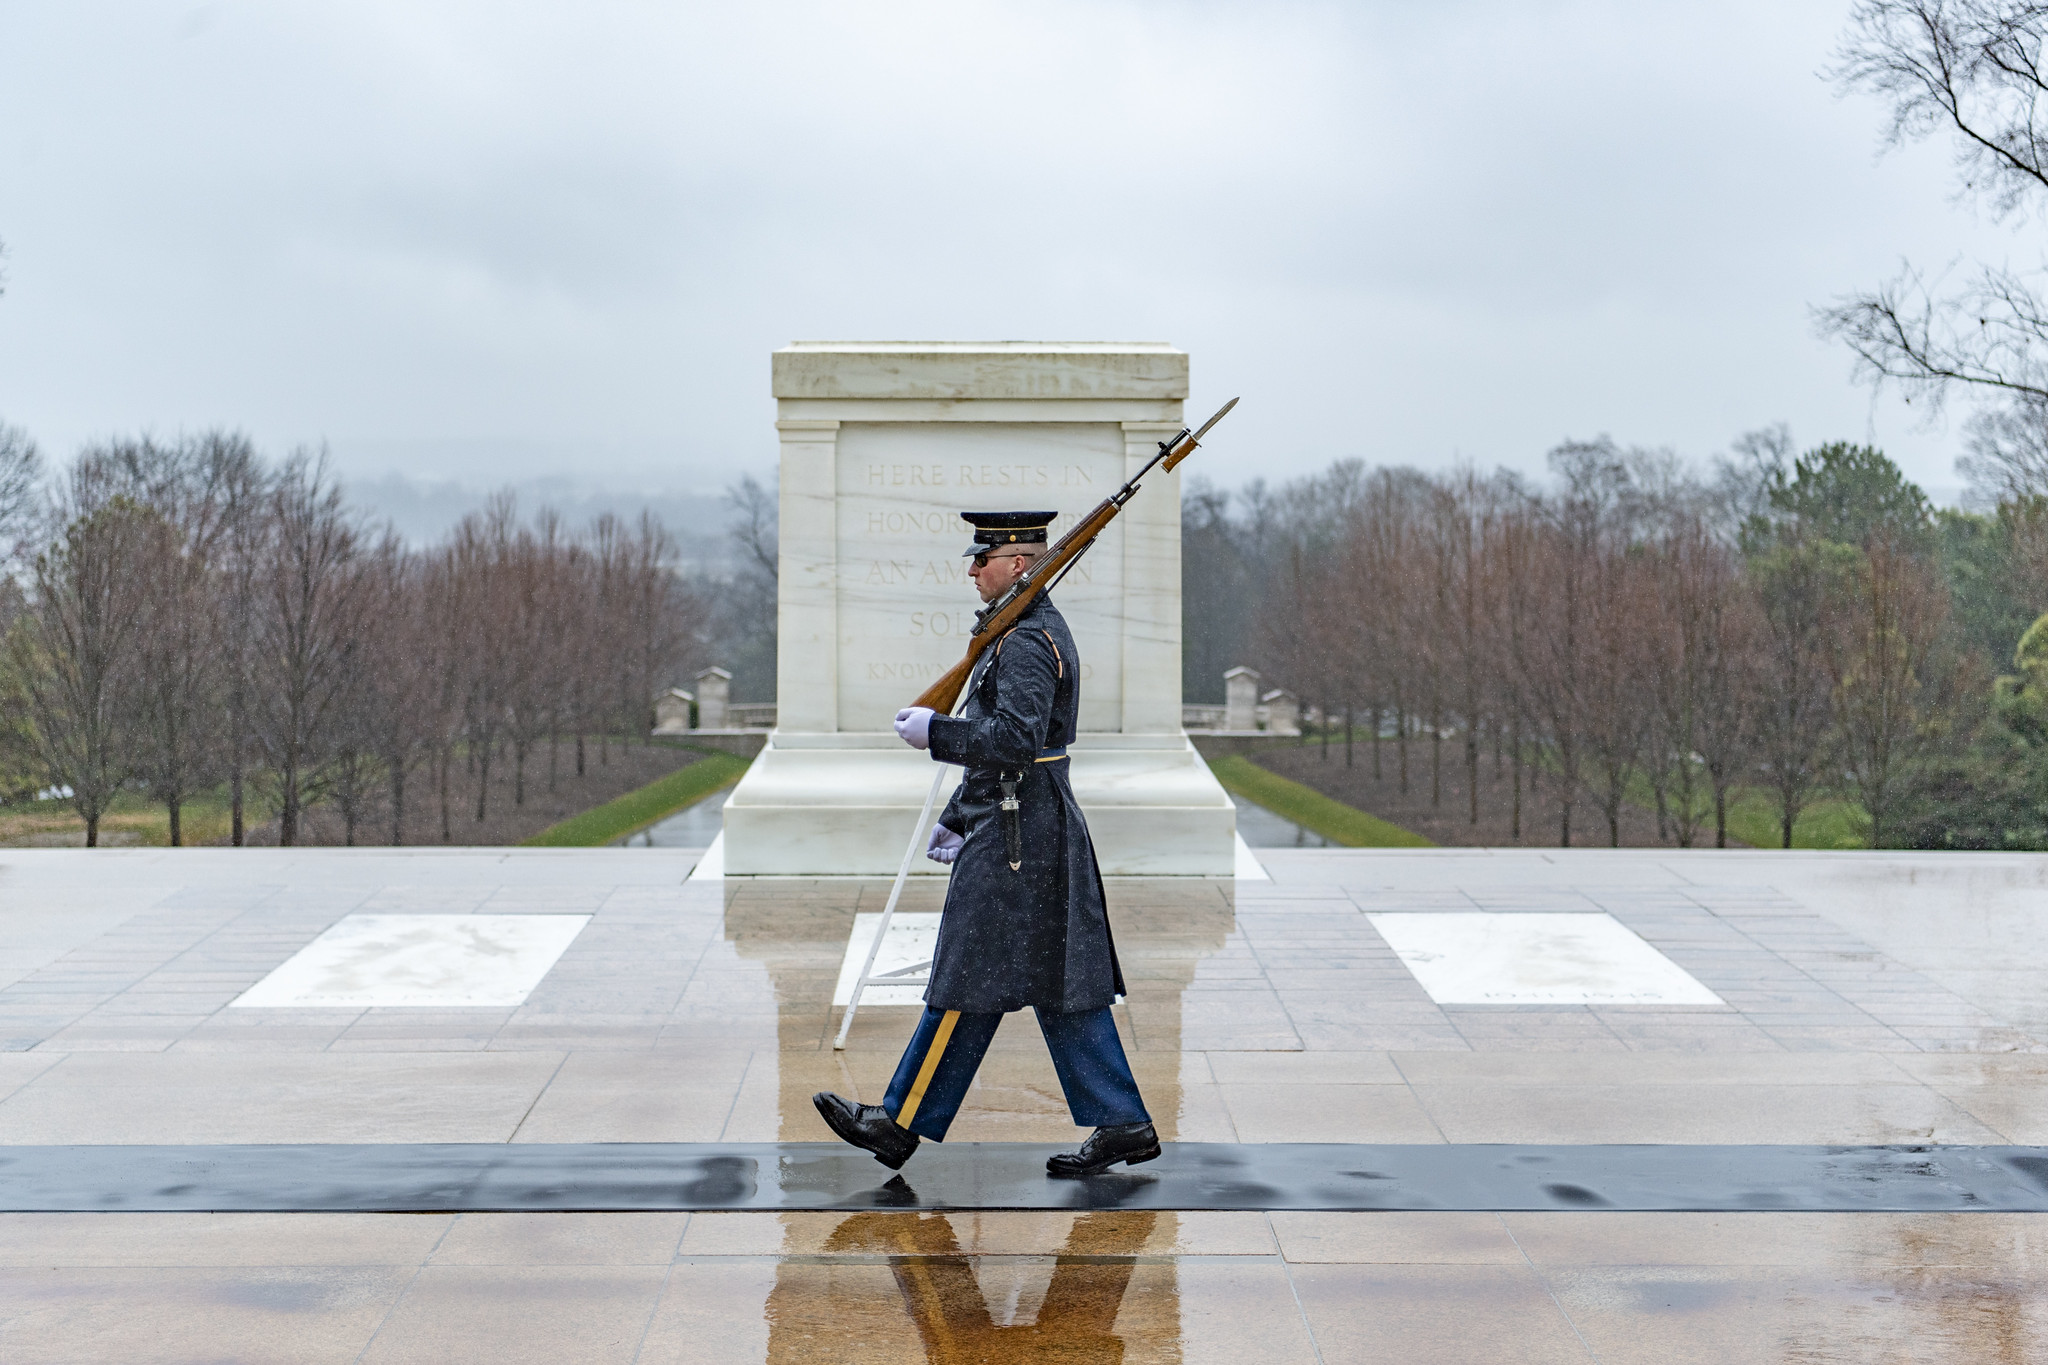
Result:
943,695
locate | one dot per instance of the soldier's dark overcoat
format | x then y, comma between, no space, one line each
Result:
1040,935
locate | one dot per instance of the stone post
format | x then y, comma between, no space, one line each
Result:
672,712
1241,699
714,692
1283,713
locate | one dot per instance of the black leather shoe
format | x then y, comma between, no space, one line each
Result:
868,1127
1129,1143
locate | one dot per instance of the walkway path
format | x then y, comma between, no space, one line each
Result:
1866,999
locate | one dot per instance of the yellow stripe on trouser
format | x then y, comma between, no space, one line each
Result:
931,1064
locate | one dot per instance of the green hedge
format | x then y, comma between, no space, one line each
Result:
636,810
1309,808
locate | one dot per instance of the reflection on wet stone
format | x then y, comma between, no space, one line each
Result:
1097,1301
1165,930
894,1287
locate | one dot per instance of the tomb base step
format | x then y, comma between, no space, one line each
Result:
842,805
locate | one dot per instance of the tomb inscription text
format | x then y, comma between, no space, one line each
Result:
905,604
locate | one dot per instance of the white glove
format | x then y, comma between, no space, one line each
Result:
944,846
914,726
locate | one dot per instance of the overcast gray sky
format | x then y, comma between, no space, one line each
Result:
480,242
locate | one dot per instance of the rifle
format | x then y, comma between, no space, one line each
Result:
998,616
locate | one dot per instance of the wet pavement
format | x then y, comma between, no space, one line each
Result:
1321,1177
1869,1000
1617,1288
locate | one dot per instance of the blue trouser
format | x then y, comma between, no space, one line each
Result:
946,1050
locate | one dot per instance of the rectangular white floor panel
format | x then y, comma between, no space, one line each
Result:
1536,959
366,961
911,940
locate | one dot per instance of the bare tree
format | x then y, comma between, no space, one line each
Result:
21,480
1615,686
398,692
1384,574
2007,459
755,517
1793,578
198,489
479,552
310,599
1971,69
1467,506
1693,653
1573,676
445,615
1431,634
1889,618
21,477
1723,673
743,608
77,657
1513,563
525,602
665,620
240,560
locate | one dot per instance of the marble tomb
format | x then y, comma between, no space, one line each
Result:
883,443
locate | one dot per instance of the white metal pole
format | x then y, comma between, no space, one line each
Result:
860,983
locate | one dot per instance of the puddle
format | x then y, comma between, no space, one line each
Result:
1261,828
691,827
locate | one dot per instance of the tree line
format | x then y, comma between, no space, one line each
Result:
1639,631
1803,624
183,616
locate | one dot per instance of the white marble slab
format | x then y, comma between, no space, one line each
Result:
911,939
711,866
1536,959
1249,868
419,960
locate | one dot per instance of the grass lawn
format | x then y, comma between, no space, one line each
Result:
132,821
1824,822
1335,821
636,810
1827,823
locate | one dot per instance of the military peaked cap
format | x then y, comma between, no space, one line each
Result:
992,529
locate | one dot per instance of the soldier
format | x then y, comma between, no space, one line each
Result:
1024,921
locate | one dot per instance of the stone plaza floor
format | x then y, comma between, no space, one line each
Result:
1859,999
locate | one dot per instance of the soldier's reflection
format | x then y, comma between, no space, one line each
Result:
1076,1320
